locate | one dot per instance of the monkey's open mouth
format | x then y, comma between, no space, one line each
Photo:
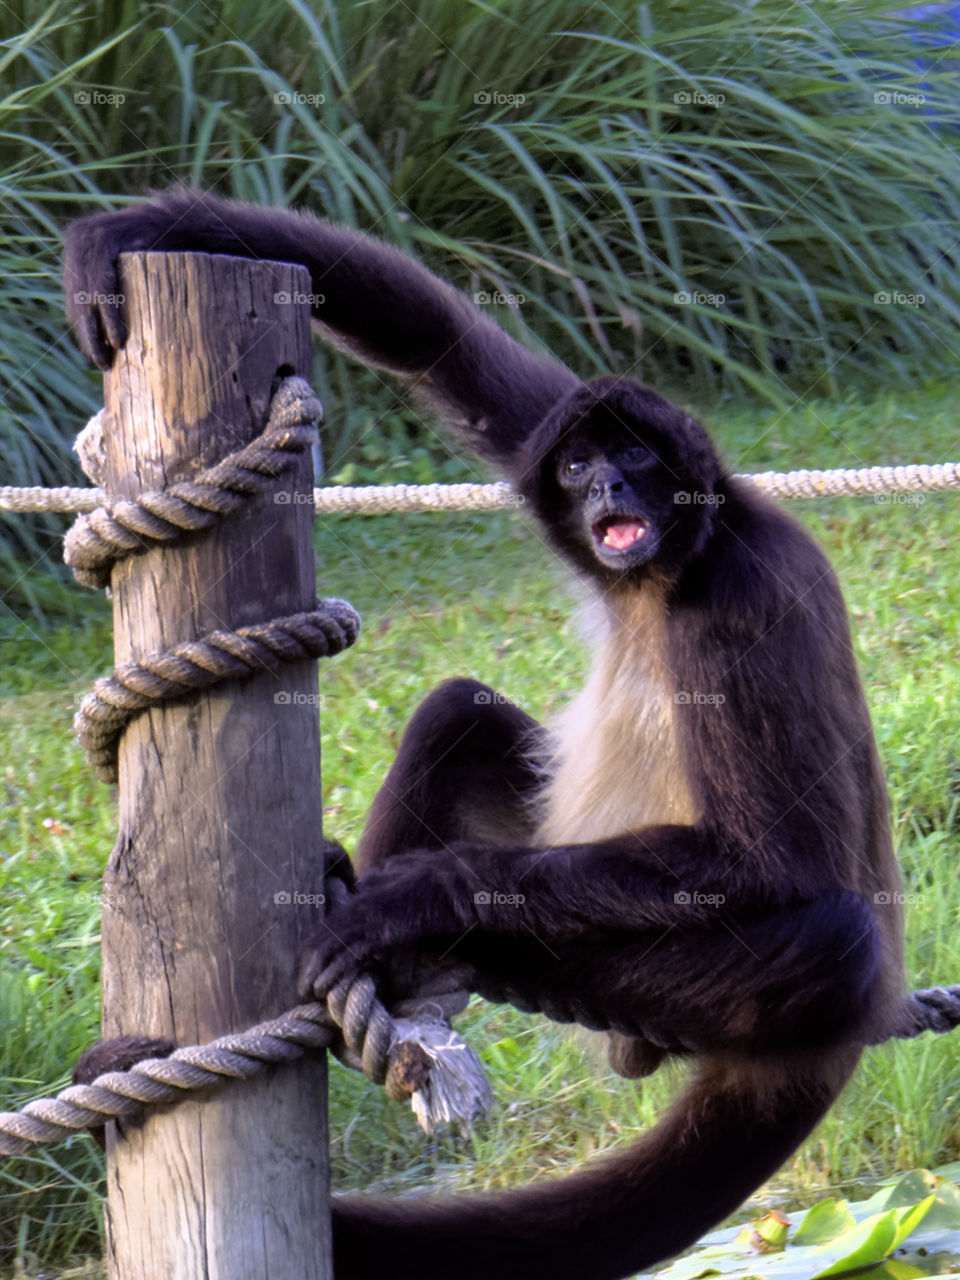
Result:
619,533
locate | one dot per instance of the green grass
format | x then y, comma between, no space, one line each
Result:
477,595
598,186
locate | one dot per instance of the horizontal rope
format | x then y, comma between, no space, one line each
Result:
36,498
420,1058
373,499
439,1072
857,482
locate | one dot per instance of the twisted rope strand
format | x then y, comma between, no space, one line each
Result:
120,526
239,1056
328,629
418,1057
36,498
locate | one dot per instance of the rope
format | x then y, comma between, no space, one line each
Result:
409,1063
418,1057
36,498
844,481
120,527
373,499
198,664
441,1073
123,527
121,1094
377,499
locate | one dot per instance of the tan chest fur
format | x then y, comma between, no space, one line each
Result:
617,766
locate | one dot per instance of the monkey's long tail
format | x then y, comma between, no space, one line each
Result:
730,1131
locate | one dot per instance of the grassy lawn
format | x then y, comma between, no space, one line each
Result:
478,595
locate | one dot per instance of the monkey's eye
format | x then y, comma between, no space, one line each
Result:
576,467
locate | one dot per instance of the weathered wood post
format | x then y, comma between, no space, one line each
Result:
220,806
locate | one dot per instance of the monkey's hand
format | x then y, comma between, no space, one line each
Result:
395,908
177,220
337,864
90,277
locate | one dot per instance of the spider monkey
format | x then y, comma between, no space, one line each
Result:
696,859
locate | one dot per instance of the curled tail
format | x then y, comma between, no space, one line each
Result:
730,1131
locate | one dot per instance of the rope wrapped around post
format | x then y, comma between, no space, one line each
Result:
417,1056
421,1059
123,527
441,1074
198,664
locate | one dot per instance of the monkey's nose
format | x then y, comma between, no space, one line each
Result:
605,488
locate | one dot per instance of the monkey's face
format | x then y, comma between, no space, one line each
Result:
622,481
615,499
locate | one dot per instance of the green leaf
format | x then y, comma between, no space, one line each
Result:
874,1239
824,1222
894,1269
830,1242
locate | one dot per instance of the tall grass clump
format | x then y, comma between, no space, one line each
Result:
708,196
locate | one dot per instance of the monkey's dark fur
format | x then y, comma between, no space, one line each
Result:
696,859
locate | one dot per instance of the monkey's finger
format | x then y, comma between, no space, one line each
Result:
94,303
113,325
322,978
305,977
312,966
321,974
91,340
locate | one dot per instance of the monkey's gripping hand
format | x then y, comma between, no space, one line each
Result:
337,864
91,281
396,908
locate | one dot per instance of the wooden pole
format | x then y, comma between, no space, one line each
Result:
219,805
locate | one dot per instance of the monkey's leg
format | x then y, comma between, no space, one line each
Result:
468,768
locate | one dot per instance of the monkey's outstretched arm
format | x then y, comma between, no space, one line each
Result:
374,300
